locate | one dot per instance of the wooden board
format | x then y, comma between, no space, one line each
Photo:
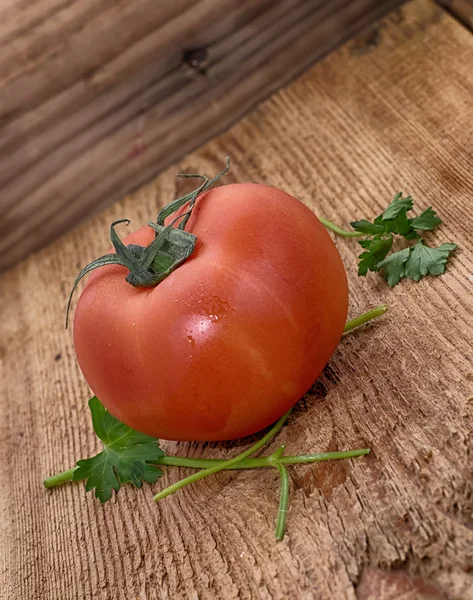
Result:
389,111
99,95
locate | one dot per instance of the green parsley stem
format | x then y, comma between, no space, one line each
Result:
226,463
206,463
59,478
365,317
338,230
283,501
257,463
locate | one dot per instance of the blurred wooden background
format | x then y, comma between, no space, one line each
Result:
462,9
98,96
389,110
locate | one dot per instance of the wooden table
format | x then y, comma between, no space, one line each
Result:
98,96
390,110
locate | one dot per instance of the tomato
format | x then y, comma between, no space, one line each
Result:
233,337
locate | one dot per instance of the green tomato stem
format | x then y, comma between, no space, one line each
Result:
365,317
226,463
338,230
283,501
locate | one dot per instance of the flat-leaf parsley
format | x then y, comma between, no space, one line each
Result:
125,458
414,261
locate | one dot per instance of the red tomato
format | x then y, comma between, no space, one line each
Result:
233,337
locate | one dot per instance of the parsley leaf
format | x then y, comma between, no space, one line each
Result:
427,261
125,458
427,221
397,206
376,250
415,261
402,226
367,227
393,220
393,266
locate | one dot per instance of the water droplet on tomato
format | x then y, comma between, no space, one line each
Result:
214,308
191,340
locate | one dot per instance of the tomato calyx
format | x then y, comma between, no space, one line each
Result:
172,245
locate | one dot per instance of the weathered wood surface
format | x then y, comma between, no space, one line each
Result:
99,95
388,111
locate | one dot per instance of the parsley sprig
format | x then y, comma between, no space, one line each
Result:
415,261
132,457
127,456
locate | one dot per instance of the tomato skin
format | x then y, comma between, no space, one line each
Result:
233,337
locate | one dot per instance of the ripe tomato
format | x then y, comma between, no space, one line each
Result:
233,337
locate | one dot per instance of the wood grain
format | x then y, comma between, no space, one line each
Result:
388,111
99,95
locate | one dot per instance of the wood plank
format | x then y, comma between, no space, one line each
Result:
99,96
386,112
